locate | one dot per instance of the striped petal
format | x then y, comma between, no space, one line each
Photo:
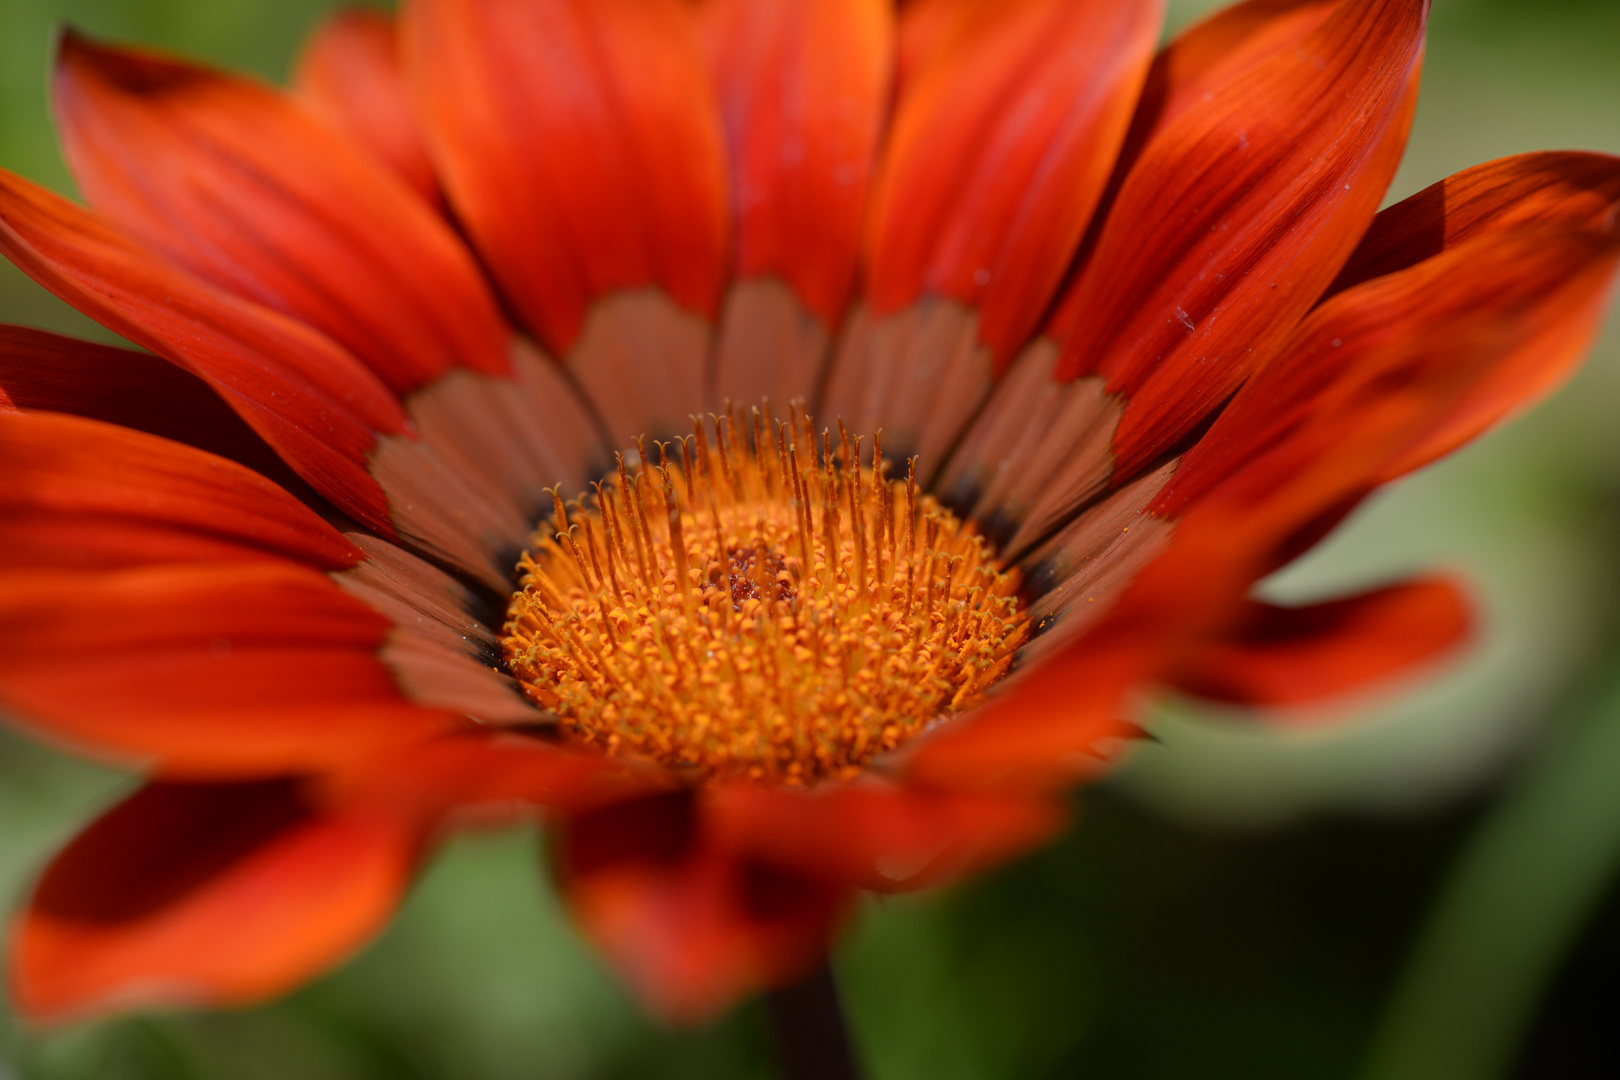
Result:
580,144
239,184
207,669
690,926
207,895
1001,148
349,72
306,396
1280,170
804,93
1486,325
1264,147
1365,388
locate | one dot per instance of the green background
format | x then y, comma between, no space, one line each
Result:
1423,890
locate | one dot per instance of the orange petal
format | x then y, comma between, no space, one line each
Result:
876,835
1570,189
206,895
580,144
1472,332
1208,54
803,94
242,186
1237,215
307,397
349,71
690,926
41,371
1000,150
79,494
1298,655
212,669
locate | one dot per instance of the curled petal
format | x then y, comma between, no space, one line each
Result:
1279,656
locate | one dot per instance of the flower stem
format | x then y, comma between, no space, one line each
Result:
812,1038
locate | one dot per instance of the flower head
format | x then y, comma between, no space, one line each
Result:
779,442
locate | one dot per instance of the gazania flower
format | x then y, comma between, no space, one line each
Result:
967,364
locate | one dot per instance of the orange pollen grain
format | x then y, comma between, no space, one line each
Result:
751,607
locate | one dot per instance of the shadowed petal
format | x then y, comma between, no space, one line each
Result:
1300,655
691,926
875,835
1556,189
207,895
41,371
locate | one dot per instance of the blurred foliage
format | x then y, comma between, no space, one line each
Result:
1242,901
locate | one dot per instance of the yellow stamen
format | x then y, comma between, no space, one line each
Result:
786,621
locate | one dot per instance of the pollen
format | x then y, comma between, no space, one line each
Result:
760,604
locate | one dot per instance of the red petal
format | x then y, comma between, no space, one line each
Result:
212,669
580,145
1002,145
1000,150
308,398
206,894
1472,332
349,71
804,93
1561,189
1208,54
40,371
1291,656
79,494
1236,217
245,188
875,835
690,926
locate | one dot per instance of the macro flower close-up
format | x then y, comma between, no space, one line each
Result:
782,447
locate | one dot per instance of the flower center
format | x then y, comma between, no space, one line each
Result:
759,609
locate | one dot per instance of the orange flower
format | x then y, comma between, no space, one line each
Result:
1133,315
